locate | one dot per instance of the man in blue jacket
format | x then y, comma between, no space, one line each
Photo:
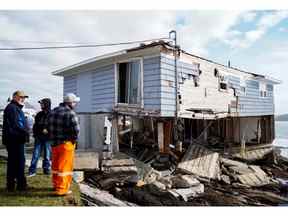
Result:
14,136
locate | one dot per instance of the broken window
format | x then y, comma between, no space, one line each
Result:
129,82
223,82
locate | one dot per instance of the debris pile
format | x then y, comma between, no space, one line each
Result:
201,178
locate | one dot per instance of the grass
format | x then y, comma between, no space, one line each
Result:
40,192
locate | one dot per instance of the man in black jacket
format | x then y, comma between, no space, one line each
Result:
40,134
14,135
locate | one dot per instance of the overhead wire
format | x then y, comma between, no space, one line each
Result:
79,46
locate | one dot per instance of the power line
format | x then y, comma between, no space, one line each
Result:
41,42
80,46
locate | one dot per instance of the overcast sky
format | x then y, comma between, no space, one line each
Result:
255,41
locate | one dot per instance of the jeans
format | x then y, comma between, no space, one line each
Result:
16,166
40,145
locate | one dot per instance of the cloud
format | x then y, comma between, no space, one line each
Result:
249,16
265,22
31,70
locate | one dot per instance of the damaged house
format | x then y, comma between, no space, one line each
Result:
155,98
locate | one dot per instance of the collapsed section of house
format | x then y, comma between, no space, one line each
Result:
176,113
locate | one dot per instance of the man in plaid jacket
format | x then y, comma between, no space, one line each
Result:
63,129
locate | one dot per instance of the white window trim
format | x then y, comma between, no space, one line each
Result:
141,105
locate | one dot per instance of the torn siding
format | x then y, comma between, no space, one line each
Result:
206,95
185,71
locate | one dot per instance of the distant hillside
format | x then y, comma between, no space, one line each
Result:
283,117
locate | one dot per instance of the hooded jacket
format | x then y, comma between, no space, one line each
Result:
41,120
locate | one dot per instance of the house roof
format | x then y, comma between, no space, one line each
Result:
164,44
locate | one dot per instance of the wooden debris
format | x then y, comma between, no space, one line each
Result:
186,193
114,166
184,181
86,160
254,155
200,161
225,179
228,162
256,178
159,185
95,197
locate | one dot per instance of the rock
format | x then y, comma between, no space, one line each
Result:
184,181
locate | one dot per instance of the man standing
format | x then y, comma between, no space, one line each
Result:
42,141
63,128
15,134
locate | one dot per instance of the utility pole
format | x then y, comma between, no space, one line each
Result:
173,36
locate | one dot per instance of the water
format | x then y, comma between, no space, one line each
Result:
281,130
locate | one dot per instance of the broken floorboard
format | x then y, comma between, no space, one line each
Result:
200,161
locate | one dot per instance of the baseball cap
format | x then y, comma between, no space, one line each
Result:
20,94
70,97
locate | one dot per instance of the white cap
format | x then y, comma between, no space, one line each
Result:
70,97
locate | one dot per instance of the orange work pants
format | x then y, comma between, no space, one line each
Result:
62,167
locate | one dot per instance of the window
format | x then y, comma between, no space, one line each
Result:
129,82
263,90
242,87
223,83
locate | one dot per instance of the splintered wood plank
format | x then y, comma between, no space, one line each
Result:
118,162
200,161
257,178
100,197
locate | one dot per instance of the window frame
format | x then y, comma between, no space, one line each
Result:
263,90
116,75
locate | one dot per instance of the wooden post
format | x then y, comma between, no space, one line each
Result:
160,133
167,136
131,134
205,131
115,135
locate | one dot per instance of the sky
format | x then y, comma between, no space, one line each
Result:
254,41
